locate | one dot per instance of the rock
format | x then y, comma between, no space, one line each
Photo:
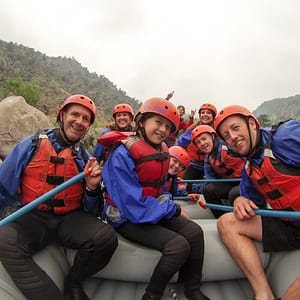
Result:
18,119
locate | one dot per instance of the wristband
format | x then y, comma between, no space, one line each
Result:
91,192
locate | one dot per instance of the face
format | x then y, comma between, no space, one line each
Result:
157,128
204,142
206,116
175,166
236,134
181,110
123,119
76,120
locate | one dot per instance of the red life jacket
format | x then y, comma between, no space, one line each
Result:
151,166
48,169
147,158
226,165
195,154
276,181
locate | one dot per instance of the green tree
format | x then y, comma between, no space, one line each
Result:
18,87
264,120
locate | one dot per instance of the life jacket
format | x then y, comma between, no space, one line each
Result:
275,180
195,154
48,169
224,163
151,166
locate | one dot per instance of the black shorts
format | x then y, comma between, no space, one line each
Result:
279,235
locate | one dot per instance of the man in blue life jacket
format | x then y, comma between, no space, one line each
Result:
270,178
35,166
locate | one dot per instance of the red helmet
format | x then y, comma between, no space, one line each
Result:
123,108
208,106
81,100
181,154
161,107
233,110
202,129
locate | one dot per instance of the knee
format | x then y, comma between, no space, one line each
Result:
8,236
193,232
106,238
226,224
177,246
9,241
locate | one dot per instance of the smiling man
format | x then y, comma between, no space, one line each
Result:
35,166
270,178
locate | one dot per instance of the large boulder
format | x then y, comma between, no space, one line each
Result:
18,120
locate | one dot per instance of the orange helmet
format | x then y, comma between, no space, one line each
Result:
161,107
77,99
122,108
202,129
181,154
208,106
233,110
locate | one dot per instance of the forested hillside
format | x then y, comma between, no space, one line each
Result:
58,77
280,109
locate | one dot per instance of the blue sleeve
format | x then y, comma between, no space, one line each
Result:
11,170
209,172
198,188
184,139
122,184
286,143
99,150
93,204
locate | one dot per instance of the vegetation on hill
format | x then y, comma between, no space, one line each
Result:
51,79
277,110
46,81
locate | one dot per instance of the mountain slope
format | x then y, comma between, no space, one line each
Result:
58,77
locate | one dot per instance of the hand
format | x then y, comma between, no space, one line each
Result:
184,214
170,95
194,197
94,177
181,185
243,208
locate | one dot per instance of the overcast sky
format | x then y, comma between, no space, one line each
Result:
219,51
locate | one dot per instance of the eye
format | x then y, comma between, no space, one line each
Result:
225,136
86,118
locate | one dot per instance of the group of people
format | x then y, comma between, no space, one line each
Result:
139,171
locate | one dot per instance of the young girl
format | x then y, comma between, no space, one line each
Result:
219,162
137,207
179,161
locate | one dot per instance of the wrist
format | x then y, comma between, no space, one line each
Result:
92,190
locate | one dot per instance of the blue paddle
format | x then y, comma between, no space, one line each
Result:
30,206
262,212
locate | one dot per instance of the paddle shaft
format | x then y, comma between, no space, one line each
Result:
30,206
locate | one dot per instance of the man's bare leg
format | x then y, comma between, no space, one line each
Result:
293,291
238,237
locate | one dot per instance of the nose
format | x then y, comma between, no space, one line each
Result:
232,135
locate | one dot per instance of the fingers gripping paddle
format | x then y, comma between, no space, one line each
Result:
30,206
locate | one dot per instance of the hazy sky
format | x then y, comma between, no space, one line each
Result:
219,51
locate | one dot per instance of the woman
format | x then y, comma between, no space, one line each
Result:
123,116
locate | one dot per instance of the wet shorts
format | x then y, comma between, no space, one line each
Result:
279,235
